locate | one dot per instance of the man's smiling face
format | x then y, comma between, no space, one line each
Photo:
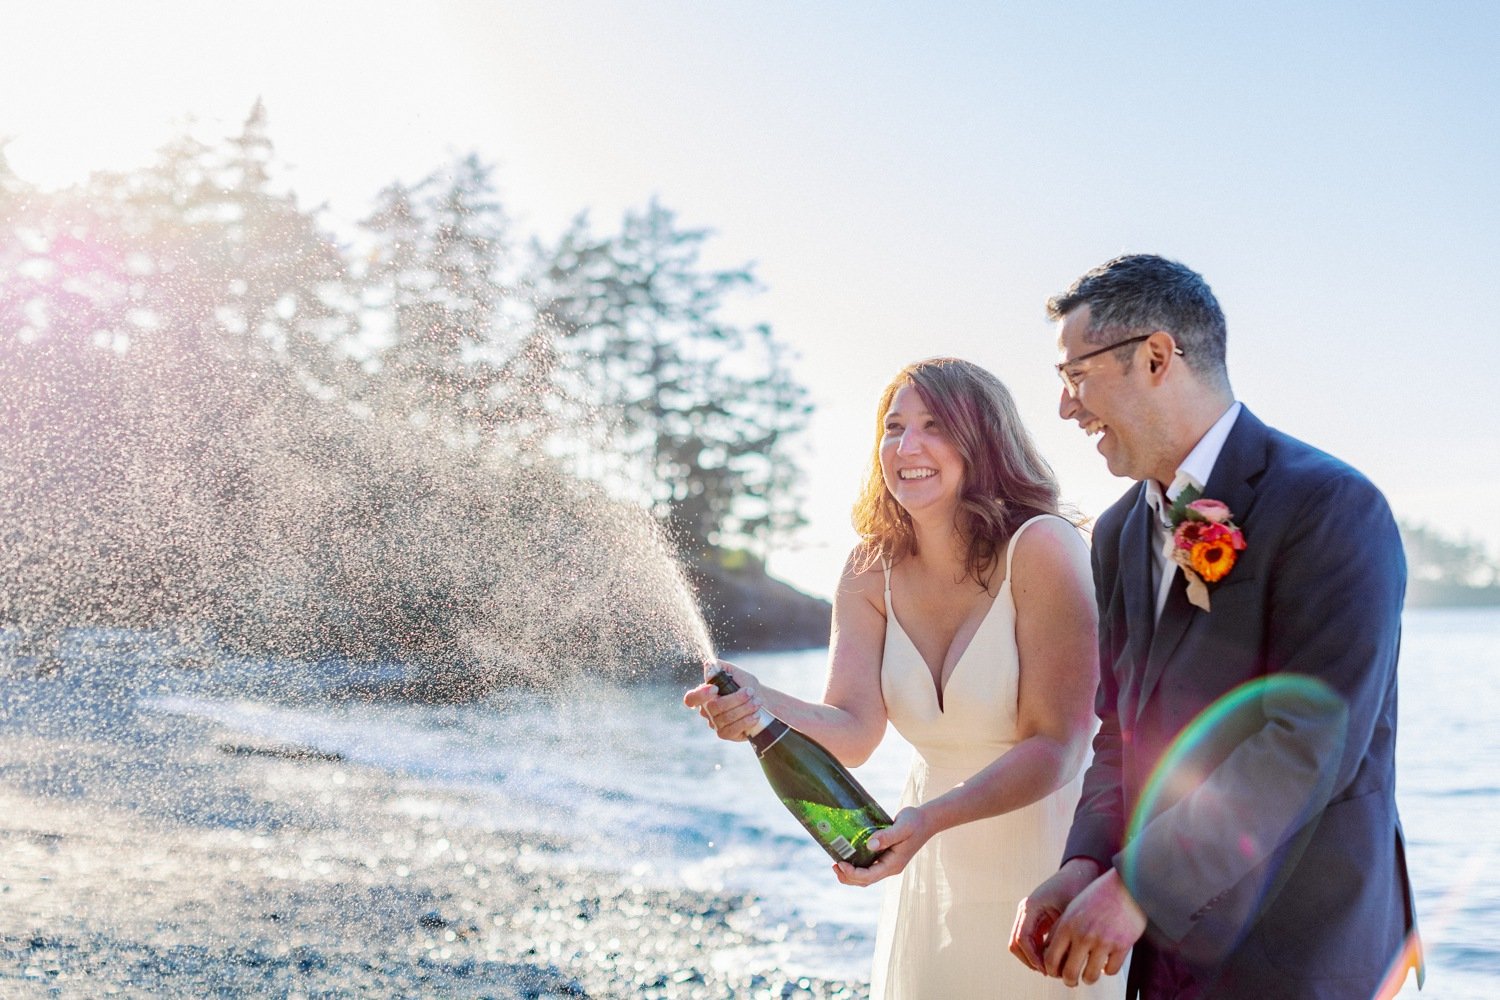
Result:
1108,402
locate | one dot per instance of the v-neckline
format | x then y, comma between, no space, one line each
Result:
938,683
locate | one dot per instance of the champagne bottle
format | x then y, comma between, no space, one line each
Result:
819,791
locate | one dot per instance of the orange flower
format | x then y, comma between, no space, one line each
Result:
1211,560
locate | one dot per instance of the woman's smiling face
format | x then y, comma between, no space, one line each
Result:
920,465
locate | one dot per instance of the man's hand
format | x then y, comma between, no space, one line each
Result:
1038,912
1095,933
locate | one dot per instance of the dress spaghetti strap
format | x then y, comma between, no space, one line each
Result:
1010,546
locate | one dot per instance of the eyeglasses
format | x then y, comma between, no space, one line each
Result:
1072,381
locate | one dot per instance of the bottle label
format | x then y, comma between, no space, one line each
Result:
843,848
842,832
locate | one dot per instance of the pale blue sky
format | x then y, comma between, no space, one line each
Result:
912,179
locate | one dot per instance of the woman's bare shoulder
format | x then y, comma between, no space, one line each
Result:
864,577
1049,545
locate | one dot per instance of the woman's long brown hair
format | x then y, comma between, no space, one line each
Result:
1005,481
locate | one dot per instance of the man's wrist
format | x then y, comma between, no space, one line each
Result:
1082,864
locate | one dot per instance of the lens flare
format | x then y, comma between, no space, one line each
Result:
1238,711
1264,709
1408,959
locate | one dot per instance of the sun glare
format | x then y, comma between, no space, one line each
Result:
79,95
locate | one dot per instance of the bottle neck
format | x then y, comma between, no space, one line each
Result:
767,729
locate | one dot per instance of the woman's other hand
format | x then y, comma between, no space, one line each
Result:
897,844
732,716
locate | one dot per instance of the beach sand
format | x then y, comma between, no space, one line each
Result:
143,855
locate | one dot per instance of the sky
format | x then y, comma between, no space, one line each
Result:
909,180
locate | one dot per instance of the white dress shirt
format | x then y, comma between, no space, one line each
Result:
1194,471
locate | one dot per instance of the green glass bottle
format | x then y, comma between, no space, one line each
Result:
819,791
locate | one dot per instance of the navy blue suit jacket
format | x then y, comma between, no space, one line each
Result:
1243,777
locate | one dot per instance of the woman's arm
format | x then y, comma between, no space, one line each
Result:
1057,638
850,720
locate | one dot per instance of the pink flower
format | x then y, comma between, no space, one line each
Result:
1210,510
1191,533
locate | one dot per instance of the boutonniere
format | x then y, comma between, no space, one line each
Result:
1205,542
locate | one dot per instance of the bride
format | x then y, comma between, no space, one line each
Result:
966,618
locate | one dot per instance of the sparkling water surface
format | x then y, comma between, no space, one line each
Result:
637,784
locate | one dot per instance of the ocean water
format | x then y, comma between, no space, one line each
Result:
640,786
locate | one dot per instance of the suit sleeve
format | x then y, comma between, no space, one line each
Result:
1099,821
1332,632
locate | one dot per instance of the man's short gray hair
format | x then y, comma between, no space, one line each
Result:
1142,293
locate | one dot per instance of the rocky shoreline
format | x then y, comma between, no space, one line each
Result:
146,855
745,608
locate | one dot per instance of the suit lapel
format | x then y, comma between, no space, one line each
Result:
1135,568
1176,615
1239,464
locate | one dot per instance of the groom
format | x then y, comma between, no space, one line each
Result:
1237,834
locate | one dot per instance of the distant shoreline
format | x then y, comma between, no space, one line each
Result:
1428,594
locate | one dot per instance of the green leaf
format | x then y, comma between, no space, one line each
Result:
1179,511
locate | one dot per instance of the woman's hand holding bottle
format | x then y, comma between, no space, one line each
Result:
817,789
732,716
895,846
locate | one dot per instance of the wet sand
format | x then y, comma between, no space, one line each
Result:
146,856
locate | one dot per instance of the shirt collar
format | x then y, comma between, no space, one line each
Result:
1197,467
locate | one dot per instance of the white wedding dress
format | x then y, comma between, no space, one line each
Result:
945,924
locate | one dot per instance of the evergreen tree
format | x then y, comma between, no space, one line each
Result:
211,409
437,277
692,431
285,277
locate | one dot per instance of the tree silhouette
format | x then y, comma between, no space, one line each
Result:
694,427
214,409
